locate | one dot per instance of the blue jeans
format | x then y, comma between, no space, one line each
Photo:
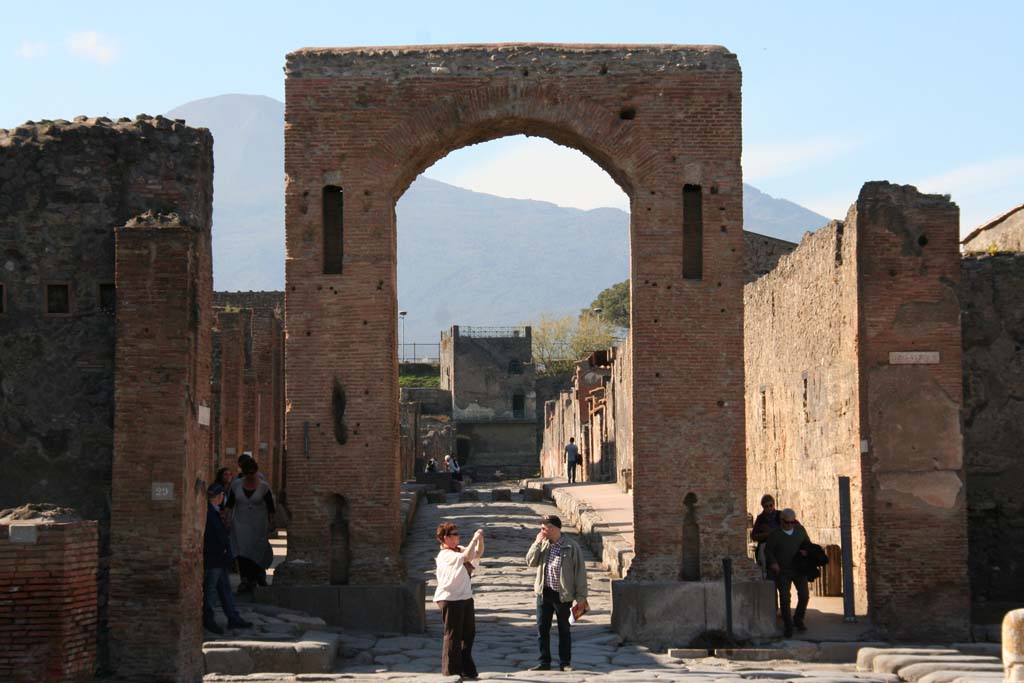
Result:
216,584
548,606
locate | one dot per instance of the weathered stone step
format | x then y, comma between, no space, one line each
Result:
314,652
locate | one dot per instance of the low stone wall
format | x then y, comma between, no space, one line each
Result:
48,608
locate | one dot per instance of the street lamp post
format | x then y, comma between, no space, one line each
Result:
401,314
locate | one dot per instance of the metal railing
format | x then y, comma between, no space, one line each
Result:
466,331
414,352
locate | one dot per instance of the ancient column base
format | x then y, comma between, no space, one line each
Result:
661,614
380,608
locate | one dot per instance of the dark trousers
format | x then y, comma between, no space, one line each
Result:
570,471
459,631
782,583
547,606
252,573
216,585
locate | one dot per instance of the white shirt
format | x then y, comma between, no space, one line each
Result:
452,578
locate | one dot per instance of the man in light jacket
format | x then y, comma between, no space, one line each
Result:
561,581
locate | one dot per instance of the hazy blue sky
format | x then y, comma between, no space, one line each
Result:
835,93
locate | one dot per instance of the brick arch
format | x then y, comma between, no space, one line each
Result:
496,111
369,120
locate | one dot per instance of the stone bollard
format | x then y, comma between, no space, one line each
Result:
501,495
533,495
1013,646
469,495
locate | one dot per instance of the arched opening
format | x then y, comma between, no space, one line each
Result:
506,252
341,546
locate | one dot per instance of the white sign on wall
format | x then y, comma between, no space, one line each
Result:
163,490
913,357
204,416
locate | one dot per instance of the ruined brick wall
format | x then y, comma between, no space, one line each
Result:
909,267
596,410
761,254
362,123
264,378
234,331
64,189
620,399
1005,233
48,614
488,372
802,410
992,298
853,368
162,461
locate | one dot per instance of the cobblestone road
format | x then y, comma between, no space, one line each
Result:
506,642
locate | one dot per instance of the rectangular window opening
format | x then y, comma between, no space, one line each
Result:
334,245
518,405
3,300
108,298
807,417
764,410
693,233
58,299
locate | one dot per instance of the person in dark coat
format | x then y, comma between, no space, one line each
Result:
217,559
781,552
764,525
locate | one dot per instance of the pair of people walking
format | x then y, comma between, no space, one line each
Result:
560,589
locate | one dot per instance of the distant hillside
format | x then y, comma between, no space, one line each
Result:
463,257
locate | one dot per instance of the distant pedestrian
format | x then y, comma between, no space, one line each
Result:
561,581
253,521
431,466
767,522
217,558
571,457
454,597
452,466
781,552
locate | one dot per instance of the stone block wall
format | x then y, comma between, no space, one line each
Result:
853,369
992,301
802,397
761,253
65,187
486,372
1003,234
48,609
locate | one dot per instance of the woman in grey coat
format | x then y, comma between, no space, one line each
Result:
252,523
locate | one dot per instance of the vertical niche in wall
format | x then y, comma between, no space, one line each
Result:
690,565
341,544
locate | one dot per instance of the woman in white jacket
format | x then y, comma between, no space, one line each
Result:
454,597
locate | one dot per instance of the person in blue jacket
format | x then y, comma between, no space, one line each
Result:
217,560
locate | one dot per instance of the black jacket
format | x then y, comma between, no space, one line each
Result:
216,542
809,565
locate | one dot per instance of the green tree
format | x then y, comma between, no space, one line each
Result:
614,304
559,341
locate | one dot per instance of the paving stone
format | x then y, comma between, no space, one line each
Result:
915,672
843,651
892,663
866,655
281,627
687,653
501,495
390,659
227,660
946,676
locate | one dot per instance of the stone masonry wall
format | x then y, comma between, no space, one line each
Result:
761,253
1005,233
64,189
853,368
800,335
992,301
48,608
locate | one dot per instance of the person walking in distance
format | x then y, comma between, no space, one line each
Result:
561,581
781,551
571,457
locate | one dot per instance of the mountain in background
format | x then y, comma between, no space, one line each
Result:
464,257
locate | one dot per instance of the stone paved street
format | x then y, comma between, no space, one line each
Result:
506,643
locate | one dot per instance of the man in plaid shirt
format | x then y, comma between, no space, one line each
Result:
561,581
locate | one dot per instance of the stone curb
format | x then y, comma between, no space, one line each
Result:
615,552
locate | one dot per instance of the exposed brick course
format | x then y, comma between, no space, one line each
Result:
655,118
48,610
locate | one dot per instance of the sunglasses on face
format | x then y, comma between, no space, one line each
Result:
453,533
